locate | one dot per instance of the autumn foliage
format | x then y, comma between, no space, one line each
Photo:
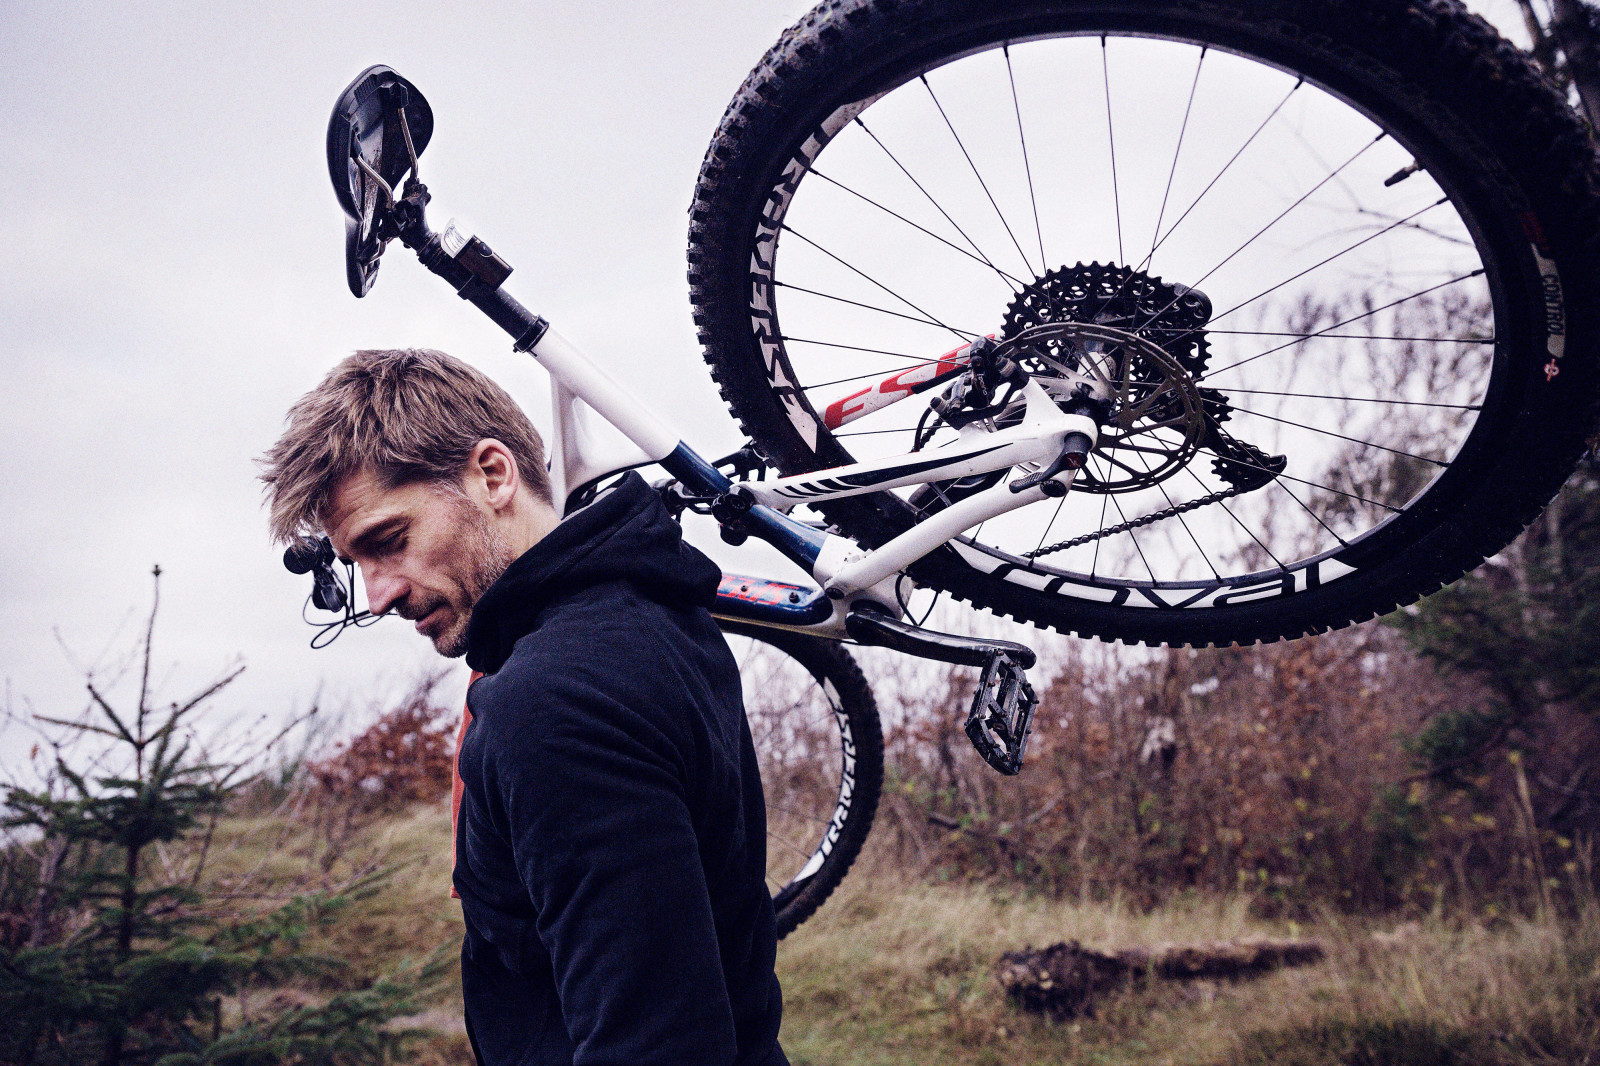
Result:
402,758
1290,771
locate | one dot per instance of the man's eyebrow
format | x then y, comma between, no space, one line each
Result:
365,539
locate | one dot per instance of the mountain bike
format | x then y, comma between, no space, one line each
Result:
1163,321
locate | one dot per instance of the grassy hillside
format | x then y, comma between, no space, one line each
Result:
896,971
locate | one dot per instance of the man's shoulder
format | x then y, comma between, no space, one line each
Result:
608,644
610,633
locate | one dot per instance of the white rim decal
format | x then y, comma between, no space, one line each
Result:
847,788
1212,594
763,317
1555,314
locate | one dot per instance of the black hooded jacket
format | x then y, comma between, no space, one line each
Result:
611,843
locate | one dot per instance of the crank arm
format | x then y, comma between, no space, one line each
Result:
1001,717
871,625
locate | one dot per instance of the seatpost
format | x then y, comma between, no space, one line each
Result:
469,265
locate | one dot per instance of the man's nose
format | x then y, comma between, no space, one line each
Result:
384,590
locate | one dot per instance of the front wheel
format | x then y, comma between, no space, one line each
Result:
1361,231
820,747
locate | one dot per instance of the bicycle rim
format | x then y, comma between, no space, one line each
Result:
817,742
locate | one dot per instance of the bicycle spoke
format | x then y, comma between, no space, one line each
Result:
929,196
863,274
1450,238
1011,281
1348,336
1237,520
1172,172
1052,523
985,185
939,492
1356,318
1112,460
1302,481
1341,436
1279,218
873,433
966,336
1027,168
1325,262
1111,138
1358,399
1122,442
786,842
1278,481
1118,505
806,816
1181,521
1226,167
1307,509
854,348
864,377
1105,502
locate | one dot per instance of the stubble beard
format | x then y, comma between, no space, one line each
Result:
487,554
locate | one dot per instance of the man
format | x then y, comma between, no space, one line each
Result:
610,847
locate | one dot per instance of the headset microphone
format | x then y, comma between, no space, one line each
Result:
305,555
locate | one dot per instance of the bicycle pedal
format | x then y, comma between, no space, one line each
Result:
1002,714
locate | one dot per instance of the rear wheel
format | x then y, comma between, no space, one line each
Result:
1363,230
820,747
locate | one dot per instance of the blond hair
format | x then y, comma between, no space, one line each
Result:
408,415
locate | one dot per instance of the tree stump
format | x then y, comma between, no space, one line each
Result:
1065,979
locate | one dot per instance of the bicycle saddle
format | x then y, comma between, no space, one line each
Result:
379,126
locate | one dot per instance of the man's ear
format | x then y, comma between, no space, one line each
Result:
493,462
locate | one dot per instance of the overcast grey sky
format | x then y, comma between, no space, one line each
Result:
172,279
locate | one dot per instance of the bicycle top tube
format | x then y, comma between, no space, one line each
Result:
532,334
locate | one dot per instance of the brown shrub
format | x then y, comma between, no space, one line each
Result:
402,758
1280,769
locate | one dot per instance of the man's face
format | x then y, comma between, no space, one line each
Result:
425,553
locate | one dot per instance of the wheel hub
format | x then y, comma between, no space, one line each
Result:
1132,341
1154,423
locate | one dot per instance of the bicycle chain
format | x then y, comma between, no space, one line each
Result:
1226,466
1147,520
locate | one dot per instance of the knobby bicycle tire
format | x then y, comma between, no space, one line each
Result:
820,745
1452,441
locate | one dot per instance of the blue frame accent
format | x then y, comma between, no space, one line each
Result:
755,599
796,540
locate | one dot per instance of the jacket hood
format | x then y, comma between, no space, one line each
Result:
624,535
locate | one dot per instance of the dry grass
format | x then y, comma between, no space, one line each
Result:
896,971
409,918
891,972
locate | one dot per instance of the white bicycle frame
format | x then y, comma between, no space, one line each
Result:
582,453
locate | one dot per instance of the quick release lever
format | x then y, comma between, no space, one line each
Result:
1074,453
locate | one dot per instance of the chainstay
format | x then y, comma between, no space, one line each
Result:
1147,520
